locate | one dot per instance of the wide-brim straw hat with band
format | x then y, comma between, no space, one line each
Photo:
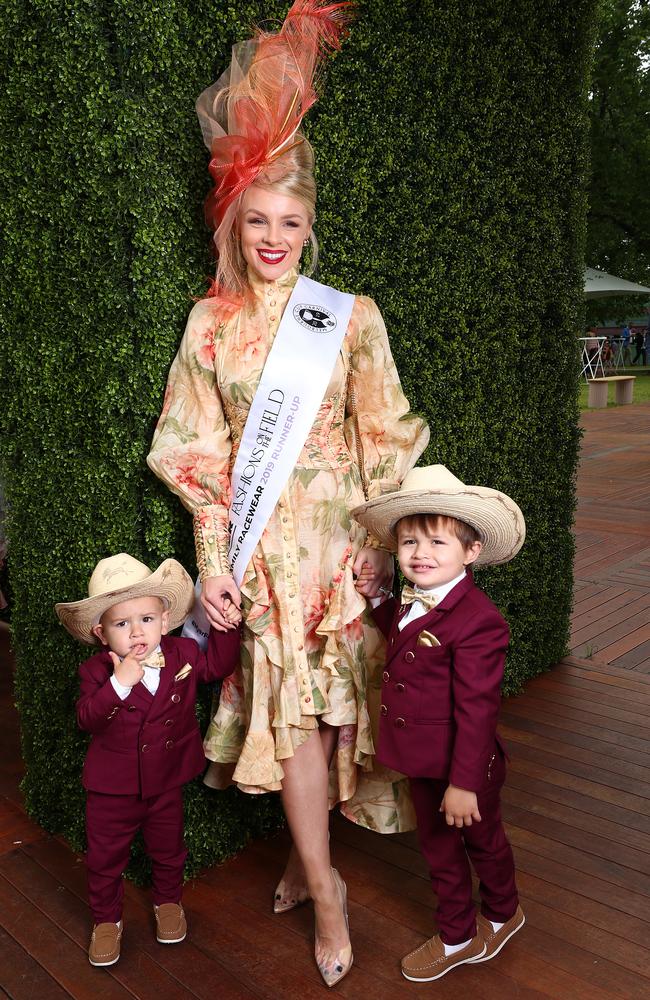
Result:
433,489
122,578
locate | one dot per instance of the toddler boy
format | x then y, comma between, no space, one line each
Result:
446,651
137,699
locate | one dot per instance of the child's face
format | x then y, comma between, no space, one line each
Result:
432,556
133,626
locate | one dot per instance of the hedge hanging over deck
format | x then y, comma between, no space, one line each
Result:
451,158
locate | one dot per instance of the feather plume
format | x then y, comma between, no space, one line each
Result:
250,117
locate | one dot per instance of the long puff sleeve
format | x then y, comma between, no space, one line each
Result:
191,446
380,428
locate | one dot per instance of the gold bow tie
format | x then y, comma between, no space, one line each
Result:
156,661
409,596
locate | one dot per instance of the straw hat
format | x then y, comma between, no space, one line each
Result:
433,489
121,578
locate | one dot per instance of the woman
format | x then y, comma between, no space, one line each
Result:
299,701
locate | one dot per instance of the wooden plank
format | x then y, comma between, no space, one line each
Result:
612,635
595,704
602,673
615,623
578,783
60,956
21,978
559,749
514,727
635,659
574,684
519,709
189,968
588,842
599,868
15,827
613,651
523,801
546,786
570,715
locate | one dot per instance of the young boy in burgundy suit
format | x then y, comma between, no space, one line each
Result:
446,651
137,700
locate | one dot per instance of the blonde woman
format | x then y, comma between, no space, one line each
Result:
282,405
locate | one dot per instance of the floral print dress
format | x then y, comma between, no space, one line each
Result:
309,649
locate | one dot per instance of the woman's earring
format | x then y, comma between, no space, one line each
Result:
306,242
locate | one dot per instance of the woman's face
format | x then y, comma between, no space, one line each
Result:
273,228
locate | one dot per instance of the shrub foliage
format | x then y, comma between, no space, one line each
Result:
451,159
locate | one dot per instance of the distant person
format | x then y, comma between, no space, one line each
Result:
626,336
640,347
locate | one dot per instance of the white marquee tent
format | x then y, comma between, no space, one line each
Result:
599,284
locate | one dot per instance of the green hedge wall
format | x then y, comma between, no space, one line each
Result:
451,163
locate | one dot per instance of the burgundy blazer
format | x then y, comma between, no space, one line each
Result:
148,743
440,703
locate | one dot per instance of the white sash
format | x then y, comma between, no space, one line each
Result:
293,383
296,374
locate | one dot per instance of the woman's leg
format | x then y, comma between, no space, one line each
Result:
305,801
292,888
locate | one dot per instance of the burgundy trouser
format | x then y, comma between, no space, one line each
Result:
448,851
112,822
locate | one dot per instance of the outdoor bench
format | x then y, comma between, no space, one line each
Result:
598,389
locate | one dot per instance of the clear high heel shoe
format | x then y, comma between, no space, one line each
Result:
283,903
334,967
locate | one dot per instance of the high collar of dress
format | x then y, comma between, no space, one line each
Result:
282,287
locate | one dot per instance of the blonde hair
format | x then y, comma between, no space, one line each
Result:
290,174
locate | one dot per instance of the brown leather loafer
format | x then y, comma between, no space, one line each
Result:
495,940
429,962
171,926
104,946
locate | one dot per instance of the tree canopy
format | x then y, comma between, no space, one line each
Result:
618,238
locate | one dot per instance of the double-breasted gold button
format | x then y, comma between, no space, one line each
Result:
385,676
144,748
131,708
400,723
169,722
169,744
383,710
176,698
409,656
400,687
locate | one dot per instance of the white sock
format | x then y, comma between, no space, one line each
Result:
451,949
496,927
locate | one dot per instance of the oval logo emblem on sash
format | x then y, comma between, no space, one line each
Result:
314,317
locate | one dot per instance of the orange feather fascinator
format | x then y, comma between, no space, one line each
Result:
252,114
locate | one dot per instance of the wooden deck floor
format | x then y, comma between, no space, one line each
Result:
611,620
577,807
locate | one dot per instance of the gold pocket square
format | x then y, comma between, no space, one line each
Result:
427,639
183,672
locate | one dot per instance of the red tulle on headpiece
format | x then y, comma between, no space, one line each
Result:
251,115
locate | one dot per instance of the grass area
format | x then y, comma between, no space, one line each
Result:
641,386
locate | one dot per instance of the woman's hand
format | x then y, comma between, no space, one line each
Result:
374,571
218,595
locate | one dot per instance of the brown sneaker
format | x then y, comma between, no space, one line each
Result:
429,962
105,944
171,926
495,940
